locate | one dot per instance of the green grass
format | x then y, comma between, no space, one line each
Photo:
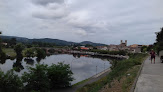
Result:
9,51
118,71
130,78
81,82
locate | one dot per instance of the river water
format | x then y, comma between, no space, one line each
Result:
83,67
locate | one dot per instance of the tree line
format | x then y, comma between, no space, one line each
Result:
159,41
42,78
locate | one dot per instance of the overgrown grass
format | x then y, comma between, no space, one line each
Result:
9,51
129,78
81,82
118,71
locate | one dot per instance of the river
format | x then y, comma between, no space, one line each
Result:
83,67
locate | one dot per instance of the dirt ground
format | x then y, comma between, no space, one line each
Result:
116,86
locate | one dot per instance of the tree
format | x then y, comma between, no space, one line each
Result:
36,79
9,82
159,39
43,77
40,53
160,36
29,52
144,48
60,75
18,49
13,41
0,44
2,54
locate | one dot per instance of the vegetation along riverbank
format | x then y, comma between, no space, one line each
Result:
42,78
120,79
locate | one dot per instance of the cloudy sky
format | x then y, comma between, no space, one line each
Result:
103,21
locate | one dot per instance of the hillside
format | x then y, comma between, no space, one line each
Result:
50,40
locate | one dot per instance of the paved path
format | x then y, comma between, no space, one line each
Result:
91,80
151,77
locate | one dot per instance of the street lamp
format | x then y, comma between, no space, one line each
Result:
104,66
71,64
96,70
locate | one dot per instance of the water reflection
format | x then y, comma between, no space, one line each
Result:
83,66
76,55
2,61
29,61
17,66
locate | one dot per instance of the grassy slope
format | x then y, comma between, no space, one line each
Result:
119,72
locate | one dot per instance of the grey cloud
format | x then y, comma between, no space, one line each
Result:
89,18
45,2
51,11
49,15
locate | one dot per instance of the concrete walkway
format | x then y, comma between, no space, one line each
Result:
151,77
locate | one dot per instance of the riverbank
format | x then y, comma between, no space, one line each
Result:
90,80
120,79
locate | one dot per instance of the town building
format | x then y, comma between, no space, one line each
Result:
135,48
4,44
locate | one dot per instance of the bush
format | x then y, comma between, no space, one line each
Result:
3,56
29,52
36,79
18,49
40,53
60,75
43,78
10,82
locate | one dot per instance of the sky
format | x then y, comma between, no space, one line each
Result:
101,21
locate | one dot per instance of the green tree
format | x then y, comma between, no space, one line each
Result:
13,42
43,78
18,49
60,75
2,54
160,36
159,39
29,52
0,44
36,79
40,53
10,82
144,48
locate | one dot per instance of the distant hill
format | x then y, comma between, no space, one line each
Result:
49,40
19,39
91,43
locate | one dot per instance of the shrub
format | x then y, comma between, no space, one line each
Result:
3,56
29,52
43,78
18,49
40,53
60,75
36,79
10,82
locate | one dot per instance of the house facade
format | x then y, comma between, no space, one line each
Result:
135,48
